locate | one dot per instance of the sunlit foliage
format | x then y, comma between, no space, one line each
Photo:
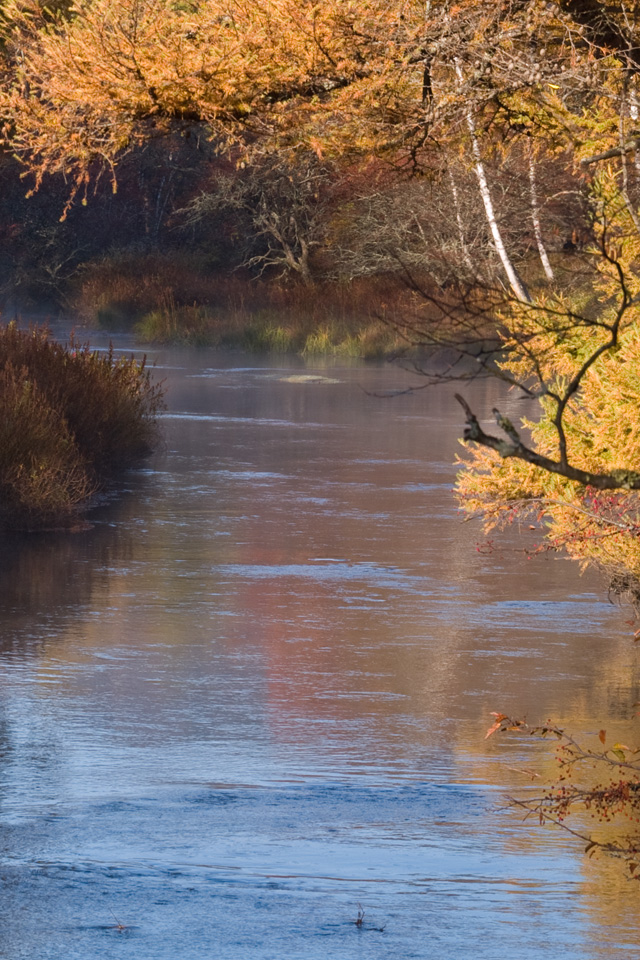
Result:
582,362
89,80
595,795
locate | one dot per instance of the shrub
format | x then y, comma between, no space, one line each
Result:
70,418
42,477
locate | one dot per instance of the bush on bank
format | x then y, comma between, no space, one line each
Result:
70,419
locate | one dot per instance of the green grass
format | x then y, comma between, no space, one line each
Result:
177,324
70,419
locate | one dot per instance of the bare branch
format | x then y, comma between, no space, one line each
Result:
629,147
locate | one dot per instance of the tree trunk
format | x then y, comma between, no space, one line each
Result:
466,256
303,264
517,285
535,216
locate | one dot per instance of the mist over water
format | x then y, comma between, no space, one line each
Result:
250,702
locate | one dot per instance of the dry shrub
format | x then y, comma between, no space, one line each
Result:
118,290
42,476
69,419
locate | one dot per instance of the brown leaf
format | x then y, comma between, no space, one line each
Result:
492,729
602,736
498,723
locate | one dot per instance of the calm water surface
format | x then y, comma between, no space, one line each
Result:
251,701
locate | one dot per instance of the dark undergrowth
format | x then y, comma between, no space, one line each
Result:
70,420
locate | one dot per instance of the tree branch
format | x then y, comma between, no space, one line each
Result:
514,447
627,147
602,30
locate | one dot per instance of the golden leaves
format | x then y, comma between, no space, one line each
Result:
282,67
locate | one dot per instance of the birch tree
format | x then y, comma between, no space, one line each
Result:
535,216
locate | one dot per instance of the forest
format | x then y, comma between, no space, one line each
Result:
454,183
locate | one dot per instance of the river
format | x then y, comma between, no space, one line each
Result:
247,707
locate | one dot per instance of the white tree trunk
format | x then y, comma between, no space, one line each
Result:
535,216
466,256
517,284
623,158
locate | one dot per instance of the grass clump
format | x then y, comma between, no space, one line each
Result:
266,331
70,419
370,341
171,323
264,334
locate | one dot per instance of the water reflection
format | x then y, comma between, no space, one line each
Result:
254,695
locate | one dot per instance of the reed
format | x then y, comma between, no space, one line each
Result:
268,330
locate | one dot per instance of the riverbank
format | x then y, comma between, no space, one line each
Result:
165,298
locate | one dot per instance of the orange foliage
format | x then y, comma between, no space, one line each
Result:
91,81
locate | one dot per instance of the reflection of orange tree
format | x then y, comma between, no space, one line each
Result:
311,653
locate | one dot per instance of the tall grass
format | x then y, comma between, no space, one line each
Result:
70,419
169,299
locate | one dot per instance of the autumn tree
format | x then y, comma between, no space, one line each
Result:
575,468
401,80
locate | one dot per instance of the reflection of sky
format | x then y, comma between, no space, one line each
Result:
256,692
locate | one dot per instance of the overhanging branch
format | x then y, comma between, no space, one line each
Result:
514,447
628,147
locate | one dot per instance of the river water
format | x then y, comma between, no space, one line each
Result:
249,703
